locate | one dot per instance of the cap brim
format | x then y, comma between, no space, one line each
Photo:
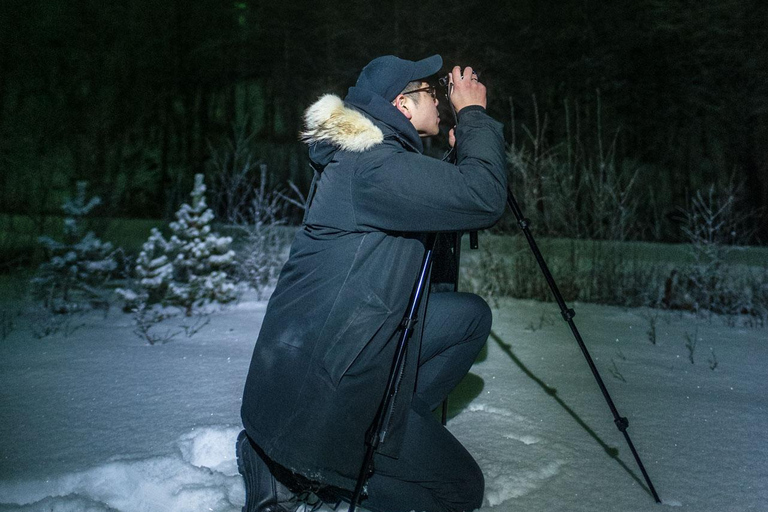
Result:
427,67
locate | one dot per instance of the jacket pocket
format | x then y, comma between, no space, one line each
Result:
352,332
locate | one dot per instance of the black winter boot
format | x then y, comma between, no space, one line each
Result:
262,492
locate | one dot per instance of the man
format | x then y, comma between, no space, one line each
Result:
325,349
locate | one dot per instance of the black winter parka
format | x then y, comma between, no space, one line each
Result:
326,345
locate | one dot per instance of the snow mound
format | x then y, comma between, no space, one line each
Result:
71,503
504,483
212,448
202,477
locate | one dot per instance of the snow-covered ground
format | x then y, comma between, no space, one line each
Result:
100,421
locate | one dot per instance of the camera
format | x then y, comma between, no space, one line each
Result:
445,80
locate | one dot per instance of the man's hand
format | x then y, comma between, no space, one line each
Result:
467,90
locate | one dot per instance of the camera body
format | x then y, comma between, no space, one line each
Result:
444,81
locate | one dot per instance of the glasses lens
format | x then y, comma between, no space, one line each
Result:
431,90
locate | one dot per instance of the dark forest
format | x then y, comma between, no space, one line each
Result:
135,96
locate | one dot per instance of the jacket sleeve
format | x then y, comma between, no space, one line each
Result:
404,191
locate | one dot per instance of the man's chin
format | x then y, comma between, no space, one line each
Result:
430,133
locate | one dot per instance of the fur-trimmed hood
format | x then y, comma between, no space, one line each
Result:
329,120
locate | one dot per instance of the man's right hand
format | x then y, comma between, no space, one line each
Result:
467,90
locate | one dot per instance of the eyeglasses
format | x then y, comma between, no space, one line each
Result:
431,90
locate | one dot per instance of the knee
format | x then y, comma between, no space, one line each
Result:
481,314
486,317
471,490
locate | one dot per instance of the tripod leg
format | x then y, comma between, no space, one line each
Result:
379,424
568,314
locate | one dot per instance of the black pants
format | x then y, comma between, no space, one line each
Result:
435,473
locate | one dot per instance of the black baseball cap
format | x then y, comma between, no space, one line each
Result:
387,76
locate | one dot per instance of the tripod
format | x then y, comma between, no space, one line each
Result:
373,436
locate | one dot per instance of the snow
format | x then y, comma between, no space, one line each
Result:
100,421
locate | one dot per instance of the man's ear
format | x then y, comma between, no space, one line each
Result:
399,104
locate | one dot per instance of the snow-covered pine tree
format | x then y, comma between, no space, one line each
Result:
79,265
154,271
202,257
189,269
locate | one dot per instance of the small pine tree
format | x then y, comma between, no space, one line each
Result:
153,268
191,267
79,265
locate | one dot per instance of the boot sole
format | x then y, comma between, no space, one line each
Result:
241,437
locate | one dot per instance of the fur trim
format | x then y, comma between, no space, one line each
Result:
330,121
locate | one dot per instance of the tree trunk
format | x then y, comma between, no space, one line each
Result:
165,149
755,175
